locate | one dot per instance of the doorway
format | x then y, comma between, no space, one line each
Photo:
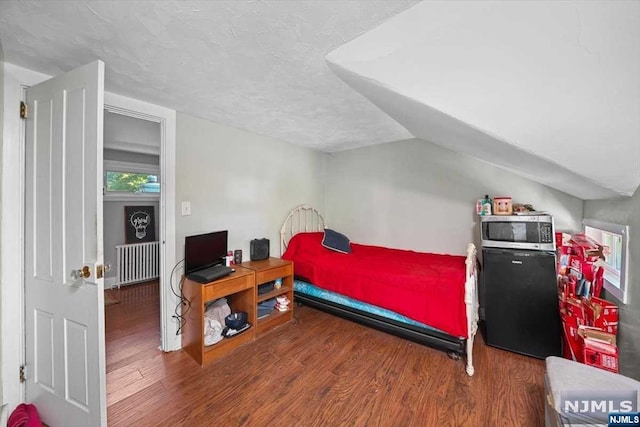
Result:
132,187
151,117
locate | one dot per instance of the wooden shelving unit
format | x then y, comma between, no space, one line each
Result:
266,271
239,289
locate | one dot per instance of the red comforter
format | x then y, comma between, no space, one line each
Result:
425,287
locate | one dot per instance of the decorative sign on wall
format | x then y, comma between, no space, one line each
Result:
139,224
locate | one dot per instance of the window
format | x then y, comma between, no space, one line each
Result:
615,240
123,180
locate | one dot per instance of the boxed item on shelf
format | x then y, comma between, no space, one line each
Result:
562,292
572,349
602,314
585,247
599,348
575,309
589,336
562,239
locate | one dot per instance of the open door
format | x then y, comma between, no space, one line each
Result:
64,285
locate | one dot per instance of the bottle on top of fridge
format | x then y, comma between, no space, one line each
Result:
486,205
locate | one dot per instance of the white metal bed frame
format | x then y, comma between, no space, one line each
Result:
305,218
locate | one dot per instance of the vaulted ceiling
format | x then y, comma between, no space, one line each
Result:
549,90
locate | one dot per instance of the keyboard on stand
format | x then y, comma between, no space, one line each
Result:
210,274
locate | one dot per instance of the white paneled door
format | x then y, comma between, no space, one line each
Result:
64,301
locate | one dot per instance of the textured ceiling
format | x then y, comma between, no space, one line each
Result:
548,90
254,65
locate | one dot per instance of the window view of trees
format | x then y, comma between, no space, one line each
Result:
131,182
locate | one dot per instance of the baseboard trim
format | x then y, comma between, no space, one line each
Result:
110,283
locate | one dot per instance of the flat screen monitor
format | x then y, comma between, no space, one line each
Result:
204,250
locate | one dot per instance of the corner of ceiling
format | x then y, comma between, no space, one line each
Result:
432,125
371,65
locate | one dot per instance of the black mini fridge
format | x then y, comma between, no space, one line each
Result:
521,301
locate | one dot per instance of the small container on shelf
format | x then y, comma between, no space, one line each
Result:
483,206
502,206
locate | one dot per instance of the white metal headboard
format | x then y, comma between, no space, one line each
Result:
304,218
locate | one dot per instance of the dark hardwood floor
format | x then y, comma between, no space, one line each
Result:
318,370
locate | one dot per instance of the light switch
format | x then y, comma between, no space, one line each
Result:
186,208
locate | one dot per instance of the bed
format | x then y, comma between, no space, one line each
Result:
431,299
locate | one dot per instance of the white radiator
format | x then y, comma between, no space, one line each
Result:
138,262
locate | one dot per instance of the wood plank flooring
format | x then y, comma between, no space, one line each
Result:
318,370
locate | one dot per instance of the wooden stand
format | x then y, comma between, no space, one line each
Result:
266,271
239,289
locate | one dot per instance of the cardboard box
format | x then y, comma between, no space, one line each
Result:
606,359
598,280
564,260
581,268
575,309
589,332
604,309
585,247
601,314
598,348
571,342
562,291
566,237
572,284
611,328
558,237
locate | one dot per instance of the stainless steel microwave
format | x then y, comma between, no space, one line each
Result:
518,232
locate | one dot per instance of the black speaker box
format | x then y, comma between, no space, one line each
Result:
259,249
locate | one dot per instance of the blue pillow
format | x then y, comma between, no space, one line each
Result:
336,241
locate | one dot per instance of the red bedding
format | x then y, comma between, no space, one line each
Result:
425,287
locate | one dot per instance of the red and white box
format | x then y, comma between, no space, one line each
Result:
602,314
605,309
599,349
575,308
571,344
585,247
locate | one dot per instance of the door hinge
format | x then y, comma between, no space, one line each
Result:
24,112
23,373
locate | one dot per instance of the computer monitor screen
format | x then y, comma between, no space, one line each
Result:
204,250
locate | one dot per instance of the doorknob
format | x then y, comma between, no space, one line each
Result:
82,273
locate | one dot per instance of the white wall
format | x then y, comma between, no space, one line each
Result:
241,182
12,228
625,211
1,250
131,134
416,195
